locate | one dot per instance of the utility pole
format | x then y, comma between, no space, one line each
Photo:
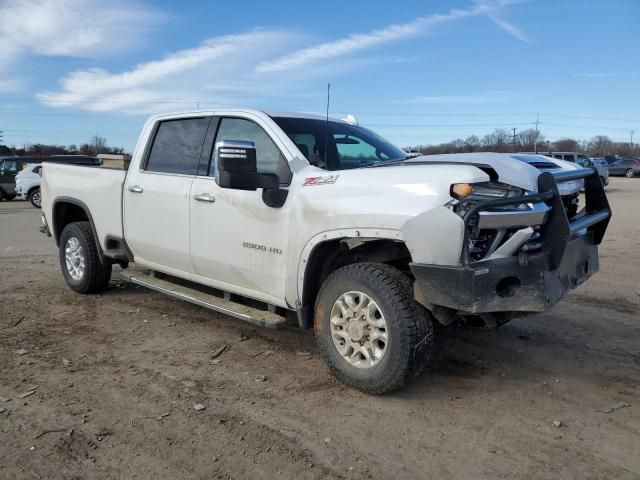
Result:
535,142
631,142
514,138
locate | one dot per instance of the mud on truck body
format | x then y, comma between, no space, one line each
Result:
261,215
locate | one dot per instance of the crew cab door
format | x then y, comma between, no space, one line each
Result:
237,242
156,195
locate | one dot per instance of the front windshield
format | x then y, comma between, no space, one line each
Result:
347,146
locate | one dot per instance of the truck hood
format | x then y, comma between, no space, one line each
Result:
520,170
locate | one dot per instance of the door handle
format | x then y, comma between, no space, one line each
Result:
204,197
135,189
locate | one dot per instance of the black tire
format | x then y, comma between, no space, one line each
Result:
409,327
95,277
2,195
10,197
629,173
35,198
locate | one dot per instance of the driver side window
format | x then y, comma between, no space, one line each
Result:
268,156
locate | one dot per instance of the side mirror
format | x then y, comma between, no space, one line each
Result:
238,169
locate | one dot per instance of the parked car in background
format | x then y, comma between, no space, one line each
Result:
629,167
582,160
28,183
9,168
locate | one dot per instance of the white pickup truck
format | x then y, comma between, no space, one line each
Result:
258,214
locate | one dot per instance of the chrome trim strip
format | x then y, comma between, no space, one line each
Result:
536,215
511,246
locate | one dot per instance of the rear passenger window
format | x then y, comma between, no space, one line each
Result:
177,145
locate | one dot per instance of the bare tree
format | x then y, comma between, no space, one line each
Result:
472,144
529,138
600,145
98,144
566,145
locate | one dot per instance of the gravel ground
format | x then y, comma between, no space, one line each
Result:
105,386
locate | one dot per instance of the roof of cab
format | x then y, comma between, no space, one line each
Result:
228,111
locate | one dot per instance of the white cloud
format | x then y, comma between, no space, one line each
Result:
455,99
510,28
359,41
236,69
606,75
73,28
221,66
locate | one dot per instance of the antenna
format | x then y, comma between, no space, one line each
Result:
326,126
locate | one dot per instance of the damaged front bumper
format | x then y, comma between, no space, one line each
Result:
526,281
506,284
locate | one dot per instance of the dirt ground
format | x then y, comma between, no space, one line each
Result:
104,386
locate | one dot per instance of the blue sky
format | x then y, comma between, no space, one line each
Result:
414,71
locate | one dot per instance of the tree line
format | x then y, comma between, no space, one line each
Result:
95,146
530,140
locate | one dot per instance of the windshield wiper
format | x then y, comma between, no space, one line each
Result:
383,163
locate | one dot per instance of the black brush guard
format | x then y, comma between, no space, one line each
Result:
527,282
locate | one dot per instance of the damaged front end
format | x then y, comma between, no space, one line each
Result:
521,251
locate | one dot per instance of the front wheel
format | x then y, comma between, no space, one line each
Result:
35,198
81,266
370,331
629,173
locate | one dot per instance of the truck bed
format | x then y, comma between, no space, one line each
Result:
99,189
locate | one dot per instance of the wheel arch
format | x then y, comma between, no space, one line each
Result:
329,251
66,210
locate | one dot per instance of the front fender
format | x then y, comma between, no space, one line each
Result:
295,290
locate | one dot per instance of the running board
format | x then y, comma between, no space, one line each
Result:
249,314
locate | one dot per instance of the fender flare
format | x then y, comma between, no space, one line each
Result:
78,203
386,233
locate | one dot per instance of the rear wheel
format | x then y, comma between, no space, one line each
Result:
370,331
2,195
629,173
35,198
81,266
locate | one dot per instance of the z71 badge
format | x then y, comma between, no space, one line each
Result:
322,180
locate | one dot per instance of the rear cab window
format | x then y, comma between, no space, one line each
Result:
177,145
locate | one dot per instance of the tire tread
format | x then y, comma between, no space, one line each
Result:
417,334
99,274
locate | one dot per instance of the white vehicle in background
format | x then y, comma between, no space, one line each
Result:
256,215
28,183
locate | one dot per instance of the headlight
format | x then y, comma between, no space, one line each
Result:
484,191
470,194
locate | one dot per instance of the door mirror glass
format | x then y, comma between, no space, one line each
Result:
237,167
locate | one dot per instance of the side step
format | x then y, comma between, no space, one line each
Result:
249,314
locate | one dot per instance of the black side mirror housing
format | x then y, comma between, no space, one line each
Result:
238,169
